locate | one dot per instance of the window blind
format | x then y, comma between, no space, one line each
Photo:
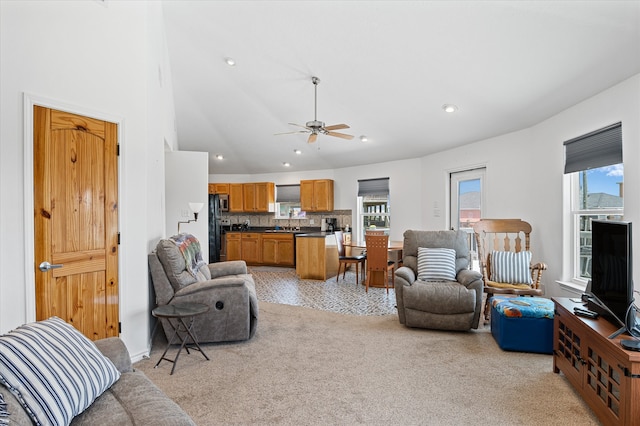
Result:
287,193
600,148
379,186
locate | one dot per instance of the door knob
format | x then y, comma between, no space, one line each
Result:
45,266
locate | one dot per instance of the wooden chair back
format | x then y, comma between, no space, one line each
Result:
512,235
378,257
500,235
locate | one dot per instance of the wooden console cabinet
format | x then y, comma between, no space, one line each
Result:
606,376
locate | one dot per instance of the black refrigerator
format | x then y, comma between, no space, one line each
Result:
215,229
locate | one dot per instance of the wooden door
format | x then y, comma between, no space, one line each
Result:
234,246
76,221
306,196
236,204
249,196
323,195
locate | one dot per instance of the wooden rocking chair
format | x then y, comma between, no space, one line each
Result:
495,236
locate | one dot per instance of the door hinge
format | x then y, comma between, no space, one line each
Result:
119,327
118,150
627,372
118,238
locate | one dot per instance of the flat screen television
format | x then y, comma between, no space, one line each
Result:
612,272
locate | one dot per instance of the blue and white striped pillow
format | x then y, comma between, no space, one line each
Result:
53,370
511,268
436,264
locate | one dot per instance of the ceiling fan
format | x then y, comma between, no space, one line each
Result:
316,127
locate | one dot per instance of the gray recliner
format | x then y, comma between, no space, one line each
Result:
225,286
442,305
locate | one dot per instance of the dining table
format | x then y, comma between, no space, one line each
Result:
395,254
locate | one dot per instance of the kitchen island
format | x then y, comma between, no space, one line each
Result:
316,256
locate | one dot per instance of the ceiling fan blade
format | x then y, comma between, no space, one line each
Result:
340,135
336,127
312,138
291,133
300,125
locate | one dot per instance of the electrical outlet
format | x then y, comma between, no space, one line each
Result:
184,213
312,222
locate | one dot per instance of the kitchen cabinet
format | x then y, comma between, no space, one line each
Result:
316,195
604,374
277,249
258,197
257,248
251,247
218,188
234,247
316,256
236,203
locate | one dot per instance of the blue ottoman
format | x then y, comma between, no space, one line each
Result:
523,324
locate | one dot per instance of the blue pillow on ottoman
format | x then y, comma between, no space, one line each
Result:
53,370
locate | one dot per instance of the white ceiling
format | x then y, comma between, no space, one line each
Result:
386,68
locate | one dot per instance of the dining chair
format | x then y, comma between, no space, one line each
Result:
378,259
344,260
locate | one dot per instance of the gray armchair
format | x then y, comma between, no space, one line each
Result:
225,286
442,305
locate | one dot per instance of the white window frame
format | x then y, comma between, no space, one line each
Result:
574,236
362,214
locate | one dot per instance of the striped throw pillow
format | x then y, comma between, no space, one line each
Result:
53,370
436,264
511,268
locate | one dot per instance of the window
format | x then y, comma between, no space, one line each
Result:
288,202
593,164
373,206
467,195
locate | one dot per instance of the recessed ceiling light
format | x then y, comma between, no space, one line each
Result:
449,108
230,61
363,138
297,151
285,164
219,157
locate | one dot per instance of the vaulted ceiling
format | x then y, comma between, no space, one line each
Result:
386,69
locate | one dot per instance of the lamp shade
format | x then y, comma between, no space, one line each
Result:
196,207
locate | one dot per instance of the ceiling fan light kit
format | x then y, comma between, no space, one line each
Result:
316,127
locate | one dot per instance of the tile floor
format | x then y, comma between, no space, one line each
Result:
281,285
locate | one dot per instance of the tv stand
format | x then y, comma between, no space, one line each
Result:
604,374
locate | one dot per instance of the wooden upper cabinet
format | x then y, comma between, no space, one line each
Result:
218,188
236,203
316,195
259,197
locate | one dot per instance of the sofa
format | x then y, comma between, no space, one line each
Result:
226,287
435,288
132,400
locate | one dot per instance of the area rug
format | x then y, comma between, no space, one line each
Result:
342,295
312,367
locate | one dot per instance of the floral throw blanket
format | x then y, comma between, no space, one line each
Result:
190,249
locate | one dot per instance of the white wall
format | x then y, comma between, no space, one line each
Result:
186,182
524,177
92,57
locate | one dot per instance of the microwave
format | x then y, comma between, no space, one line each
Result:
224,202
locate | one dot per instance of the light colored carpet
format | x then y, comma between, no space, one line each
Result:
311,367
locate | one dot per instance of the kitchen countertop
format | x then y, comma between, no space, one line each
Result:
306,232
